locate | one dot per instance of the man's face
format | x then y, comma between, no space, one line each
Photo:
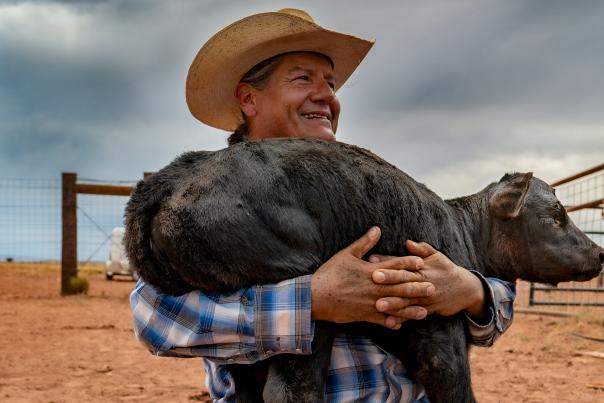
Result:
298,100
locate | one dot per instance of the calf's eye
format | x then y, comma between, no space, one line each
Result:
548,220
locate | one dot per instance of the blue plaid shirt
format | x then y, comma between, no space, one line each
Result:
255,323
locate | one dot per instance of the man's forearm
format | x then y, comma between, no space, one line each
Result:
244,326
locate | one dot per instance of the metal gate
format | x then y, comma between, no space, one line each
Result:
582,195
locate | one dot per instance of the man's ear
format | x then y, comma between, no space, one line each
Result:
247,101
510,194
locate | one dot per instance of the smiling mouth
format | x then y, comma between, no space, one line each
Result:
315,116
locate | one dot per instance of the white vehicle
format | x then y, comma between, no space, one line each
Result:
118,263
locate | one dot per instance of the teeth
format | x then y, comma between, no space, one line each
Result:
314,116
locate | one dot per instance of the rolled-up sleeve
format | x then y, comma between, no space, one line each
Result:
500,297
240,327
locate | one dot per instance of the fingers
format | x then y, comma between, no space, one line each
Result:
380,258
397,262
408,290
361,246
393,322
393,318
415,290
421,249
412,312
398,310
389,321
396,276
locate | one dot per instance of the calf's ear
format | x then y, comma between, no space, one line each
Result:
510,194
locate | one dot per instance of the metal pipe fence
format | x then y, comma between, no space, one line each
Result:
30,229
583,197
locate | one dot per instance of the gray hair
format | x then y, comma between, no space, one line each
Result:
258,77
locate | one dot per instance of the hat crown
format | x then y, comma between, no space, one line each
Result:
297,13
226,56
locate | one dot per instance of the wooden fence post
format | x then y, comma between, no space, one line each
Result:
69,249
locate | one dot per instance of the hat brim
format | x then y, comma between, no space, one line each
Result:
232,52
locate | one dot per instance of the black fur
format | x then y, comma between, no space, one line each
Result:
261,212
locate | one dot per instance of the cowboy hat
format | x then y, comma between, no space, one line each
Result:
233,51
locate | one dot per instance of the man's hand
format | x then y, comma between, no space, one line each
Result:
456,288
343,289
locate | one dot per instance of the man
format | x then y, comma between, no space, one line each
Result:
276,75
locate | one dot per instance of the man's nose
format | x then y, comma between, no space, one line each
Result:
323,92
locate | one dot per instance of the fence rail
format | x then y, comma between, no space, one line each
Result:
69,245
582,194
31,226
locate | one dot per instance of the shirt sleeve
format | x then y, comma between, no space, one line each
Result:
241,327
500,295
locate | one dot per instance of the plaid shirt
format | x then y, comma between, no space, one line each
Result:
258,322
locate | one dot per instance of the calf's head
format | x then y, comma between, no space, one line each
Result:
533,236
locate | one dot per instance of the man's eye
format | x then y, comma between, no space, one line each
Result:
332,85
303,78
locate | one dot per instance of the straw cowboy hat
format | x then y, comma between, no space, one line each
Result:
229,54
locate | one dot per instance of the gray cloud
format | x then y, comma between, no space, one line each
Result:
455,93
512,55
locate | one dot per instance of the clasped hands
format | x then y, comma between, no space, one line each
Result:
388,290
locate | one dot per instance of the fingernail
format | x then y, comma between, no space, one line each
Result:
373,259
430,290
382,306
373,232
379,277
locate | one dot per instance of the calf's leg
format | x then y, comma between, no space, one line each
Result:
301,378
439,359
249,381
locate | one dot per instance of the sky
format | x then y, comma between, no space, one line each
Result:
455,93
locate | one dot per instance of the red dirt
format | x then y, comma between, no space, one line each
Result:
81,349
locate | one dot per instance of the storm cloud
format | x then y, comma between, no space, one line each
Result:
455,93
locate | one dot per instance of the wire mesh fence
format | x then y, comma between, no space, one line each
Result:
30,221
30,230
587,190
97,216
584,191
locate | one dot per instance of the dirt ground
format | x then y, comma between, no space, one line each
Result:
82,349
